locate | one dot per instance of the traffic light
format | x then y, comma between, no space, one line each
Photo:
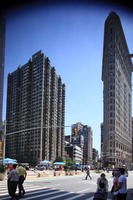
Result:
75,131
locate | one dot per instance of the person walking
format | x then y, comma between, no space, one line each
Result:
102,187
13,179
22,176
88,174
10,168
122,185
114,190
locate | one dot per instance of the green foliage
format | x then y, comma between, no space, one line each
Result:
59,159
109,164
69,162
2,168
94,163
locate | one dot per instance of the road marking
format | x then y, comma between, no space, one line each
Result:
90,198
61,195
53,185
5,192
83,190
75,197
27,187
42,195
29,191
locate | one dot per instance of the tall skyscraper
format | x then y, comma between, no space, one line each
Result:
76,134
2,56
35,112
116,77
84,139
95,155
88,144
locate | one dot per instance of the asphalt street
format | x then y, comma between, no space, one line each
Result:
63,187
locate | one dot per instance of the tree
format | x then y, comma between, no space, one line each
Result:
69,162
58,159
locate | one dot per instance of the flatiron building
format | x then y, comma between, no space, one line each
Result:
117,94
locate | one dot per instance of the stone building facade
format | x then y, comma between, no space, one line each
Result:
117,91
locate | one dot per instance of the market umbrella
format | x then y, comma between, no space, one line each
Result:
46,162
9,161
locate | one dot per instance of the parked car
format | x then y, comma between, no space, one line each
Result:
40,167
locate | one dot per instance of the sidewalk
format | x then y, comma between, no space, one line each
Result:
51,173
31,174
34,174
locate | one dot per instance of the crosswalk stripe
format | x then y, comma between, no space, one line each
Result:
3,189
3,193
26,188
39,190
42,195
54,185
49,191
35,192
60,195
77,196
45,193
90,198
83,190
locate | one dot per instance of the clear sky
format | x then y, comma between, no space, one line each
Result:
72,37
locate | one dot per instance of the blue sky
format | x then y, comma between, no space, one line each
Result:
72,37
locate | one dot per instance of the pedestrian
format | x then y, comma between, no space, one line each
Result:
114,190
13,179
88,173
122,185
102,185
10,168
22,176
